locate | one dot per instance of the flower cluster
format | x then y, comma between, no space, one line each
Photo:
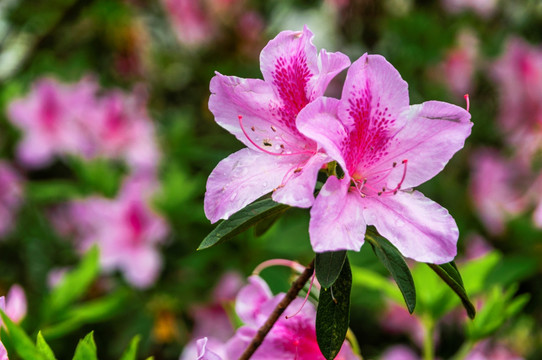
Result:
383,146
75,119
290,338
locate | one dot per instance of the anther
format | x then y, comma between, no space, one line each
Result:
394,164
267,143
252,128
298,170
273,128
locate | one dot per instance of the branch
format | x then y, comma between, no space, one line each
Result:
277,312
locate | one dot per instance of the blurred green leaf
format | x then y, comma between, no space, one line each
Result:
44,348
52,191
90,312
328,266
131,352
24,347
75,283
369,279
243,220
86,349
392,259
450,274
333,313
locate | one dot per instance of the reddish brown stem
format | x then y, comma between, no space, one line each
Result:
290,296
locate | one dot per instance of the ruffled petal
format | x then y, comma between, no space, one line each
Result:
318,121
204,353
434,131
337,221
330,64
243,177
420,228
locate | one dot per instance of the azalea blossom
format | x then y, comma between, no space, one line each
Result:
262,115
11,196
385,148
192,25
290,338
400,352
15,304
126,230
502,198
519,77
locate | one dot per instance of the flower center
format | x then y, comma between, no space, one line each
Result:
370,185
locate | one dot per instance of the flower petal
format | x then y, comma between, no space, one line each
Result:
336,218
251,299
372,86
204,353
253,99
318,121
243,177
420,228
433,133
298,189
330,64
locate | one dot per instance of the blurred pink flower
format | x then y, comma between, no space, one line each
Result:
290,338
484,8
15,303
191,23
50,118
59,119
459,64
262,115
488,350
211,321
383,145
126,230
519,76
495,189
3,352
397,320
400,352
11,196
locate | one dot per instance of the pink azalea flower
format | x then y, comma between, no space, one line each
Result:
519,76
15,303
126,230
11,196
459,64
397,320
48,117
262,115
122,130
488,350
3,352
499,199
192,25
383,145
290,338
206,354
484,8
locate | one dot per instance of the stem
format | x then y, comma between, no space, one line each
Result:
428,346
290,296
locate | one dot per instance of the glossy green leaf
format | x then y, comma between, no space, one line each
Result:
131,352
328,266
449,273
86,349
44,348
24,347
242,220
76,282
392,260
333,314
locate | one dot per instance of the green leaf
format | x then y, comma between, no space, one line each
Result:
333,314
328,266
75,283
131,352
20,341
392,259
242,220
86,349
44,348
52,191
449,273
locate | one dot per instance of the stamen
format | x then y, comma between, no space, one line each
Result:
466,96
398,187
266,142
278,262
306,298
